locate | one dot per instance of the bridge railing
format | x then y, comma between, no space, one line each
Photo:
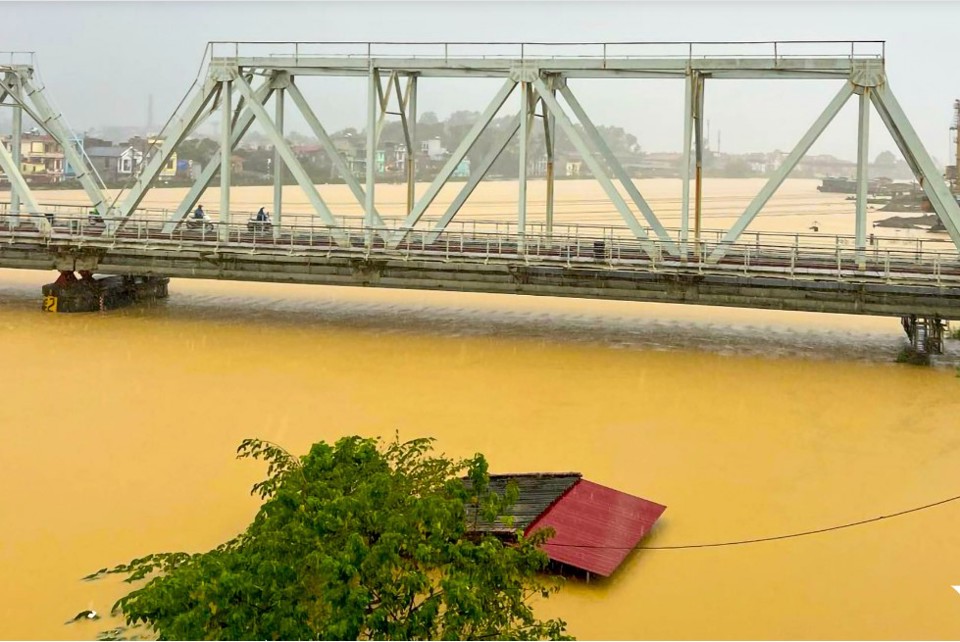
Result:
588,247
878,240
479,50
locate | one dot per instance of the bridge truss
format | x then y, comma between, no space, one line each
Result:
239,80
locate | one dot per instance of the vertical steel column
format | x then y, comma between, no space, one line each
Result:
412,153
278,167
525,94
226,165
698,195
15,142
373,82
549,129
685,170
863,160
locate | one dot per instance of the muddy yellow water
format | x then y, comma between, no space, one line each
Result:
119,432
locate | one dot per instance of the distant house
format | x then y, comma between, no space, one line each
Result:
130,161
105,161
395,157
463,169
115,163
311,153
433,149
41,158
573,168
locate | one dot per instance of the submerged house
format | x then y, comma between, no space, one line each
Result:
595,527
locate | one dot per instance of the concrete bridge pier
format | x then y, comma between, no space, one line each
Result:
98,294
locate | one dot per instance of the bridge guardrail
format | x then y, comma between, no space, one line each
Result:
591,247
875,240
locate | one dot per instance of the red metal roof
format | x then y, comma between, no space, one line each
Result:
596,527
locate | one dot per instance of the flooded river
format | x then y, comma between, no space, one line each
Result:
119,432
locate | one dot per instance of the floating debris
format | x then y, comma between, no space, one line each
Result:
84,615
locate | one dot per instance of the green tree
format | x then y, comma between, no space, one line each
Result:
199,150
885,158
358,540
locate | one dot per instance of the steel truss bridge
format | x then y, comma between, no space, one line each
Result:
429,248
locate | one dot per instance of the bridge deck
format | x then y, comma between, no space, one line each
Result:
762,274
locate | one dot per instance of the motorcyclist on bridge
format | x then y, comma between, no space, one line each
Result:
199,213
262,215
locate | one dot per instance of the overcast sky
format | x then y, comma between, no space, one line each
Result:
101,60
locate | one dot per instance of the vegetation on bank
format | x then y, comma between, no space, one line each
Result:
355,540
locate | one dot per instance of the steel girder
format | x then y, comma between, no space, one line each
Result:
537,76
19,185
526,128
278,172
621,174
788,164
373,131
16,135
173,135
919,160
458,155
243,123
688,106
839,67
28,98
52,121
226,167
476,176
318,130
408,102
863,160
549,143
586,153
697,115
270,129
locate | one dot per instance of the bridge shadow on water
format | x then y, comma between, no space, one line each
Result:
651,328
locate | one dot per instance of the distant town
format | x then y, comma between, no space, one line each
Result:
118,154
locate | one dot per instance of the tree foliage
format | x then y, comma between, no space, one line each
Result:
356,540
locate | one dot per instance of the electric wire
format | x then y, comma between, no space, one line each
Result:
771,538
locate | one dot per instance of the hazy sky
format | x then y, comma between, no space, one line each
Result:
101,60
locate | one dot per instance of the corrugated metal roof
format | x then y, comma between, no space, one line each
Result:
538,491
596,527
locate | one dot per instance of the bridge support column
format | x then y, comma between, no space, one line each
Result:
278,167
925,335
91,294
526,116
687,160
698,159
549,138
863,160
410,133
226,165
15,142
373,84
